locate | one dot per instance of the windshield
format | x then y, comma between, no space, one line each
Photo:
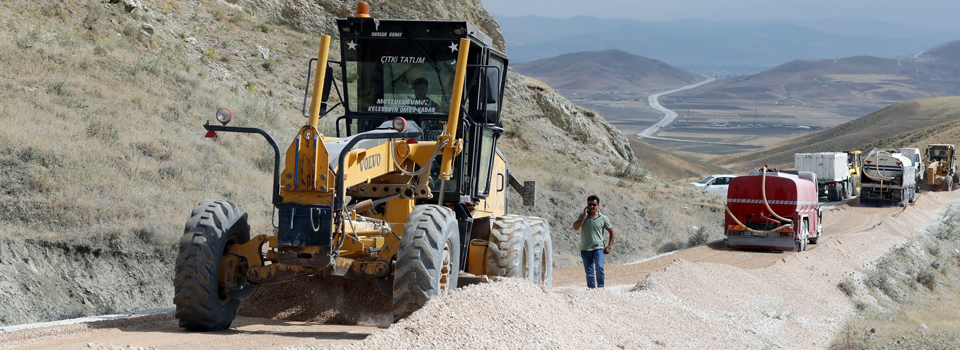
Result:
399,75
705,180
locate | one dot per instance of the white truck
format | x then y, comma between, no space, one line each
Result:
916,157
832,170
889,179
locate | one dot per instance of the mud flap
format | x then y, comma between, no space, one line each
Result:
528,190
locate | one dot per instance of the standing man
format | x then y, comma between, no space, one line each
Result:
591,225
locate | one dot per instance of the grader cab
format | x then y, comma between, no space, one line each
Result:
941,167
413,195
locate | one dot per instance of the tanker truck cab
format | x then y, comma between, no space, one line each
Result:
772,210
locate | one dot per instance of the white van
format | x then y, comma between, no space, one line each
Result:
916,157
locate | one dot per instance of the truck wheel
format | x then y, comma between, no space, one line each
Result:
543,252
855,185
913,194
833,194
428,263
508,250
801,244
948,183
847,190
202,305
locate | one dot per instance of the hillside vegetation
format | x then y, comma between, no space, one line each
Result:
104,157
908,124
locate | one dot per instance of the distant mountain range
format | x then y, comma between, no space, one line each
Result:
609,70
702,46
859,80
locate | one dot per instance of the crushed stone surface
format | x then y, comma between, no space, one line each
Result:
705,297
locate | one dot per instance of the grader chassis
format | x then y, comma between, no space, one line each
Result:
941,167
414,196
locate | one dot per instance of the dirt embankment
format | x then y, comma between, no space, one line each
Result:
704,295
43,280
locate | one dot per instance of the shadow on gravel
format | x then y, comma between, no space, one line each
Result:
309,335
166,323
720,245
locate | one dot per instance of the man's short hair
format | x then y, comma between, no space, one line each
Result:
594,197
419,81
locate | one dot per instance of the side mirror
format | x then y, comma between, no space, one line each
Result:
493,86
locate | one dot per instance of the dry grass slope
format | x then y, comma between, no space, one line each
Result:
913,123
103,145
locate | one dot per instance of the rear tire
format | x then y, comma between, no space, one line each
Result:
543,252
833,194
913,194
428,263
847,190
202,305
948,183
507,252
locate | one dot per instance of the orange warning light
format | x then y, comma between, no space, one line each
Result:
363,9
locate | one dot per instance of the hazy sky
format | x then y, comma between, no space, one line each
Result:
927,14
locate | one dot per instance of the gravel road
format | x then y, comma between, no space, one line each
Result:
703,297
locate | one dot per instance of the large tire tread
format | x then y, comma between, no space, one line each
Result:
417,278
199,306
543,252
506,253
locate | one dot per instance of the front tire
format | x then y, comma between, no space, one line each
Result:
202,305
428,263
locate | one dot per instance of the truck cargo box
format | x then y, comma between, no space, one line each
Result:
832,170
829,166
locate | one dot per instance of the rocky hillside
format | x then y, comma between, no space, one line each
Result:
104,157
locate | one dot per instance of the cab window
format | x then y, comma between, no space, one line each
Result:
399,76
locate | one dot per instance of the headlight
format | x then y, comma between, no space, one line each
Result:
399,124
224,115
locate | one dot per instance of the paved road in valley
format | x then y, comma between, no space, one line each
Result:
669,116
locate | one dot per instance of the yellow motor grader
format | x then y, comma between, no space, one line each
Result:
413,195
941,167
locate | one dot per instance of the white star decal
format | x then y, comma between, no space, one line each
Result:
453,47
351,46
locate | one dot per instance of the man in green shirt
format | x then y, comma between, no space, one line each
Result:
591,225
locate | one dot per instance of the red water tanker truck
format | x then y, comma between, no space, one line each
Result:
786,217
